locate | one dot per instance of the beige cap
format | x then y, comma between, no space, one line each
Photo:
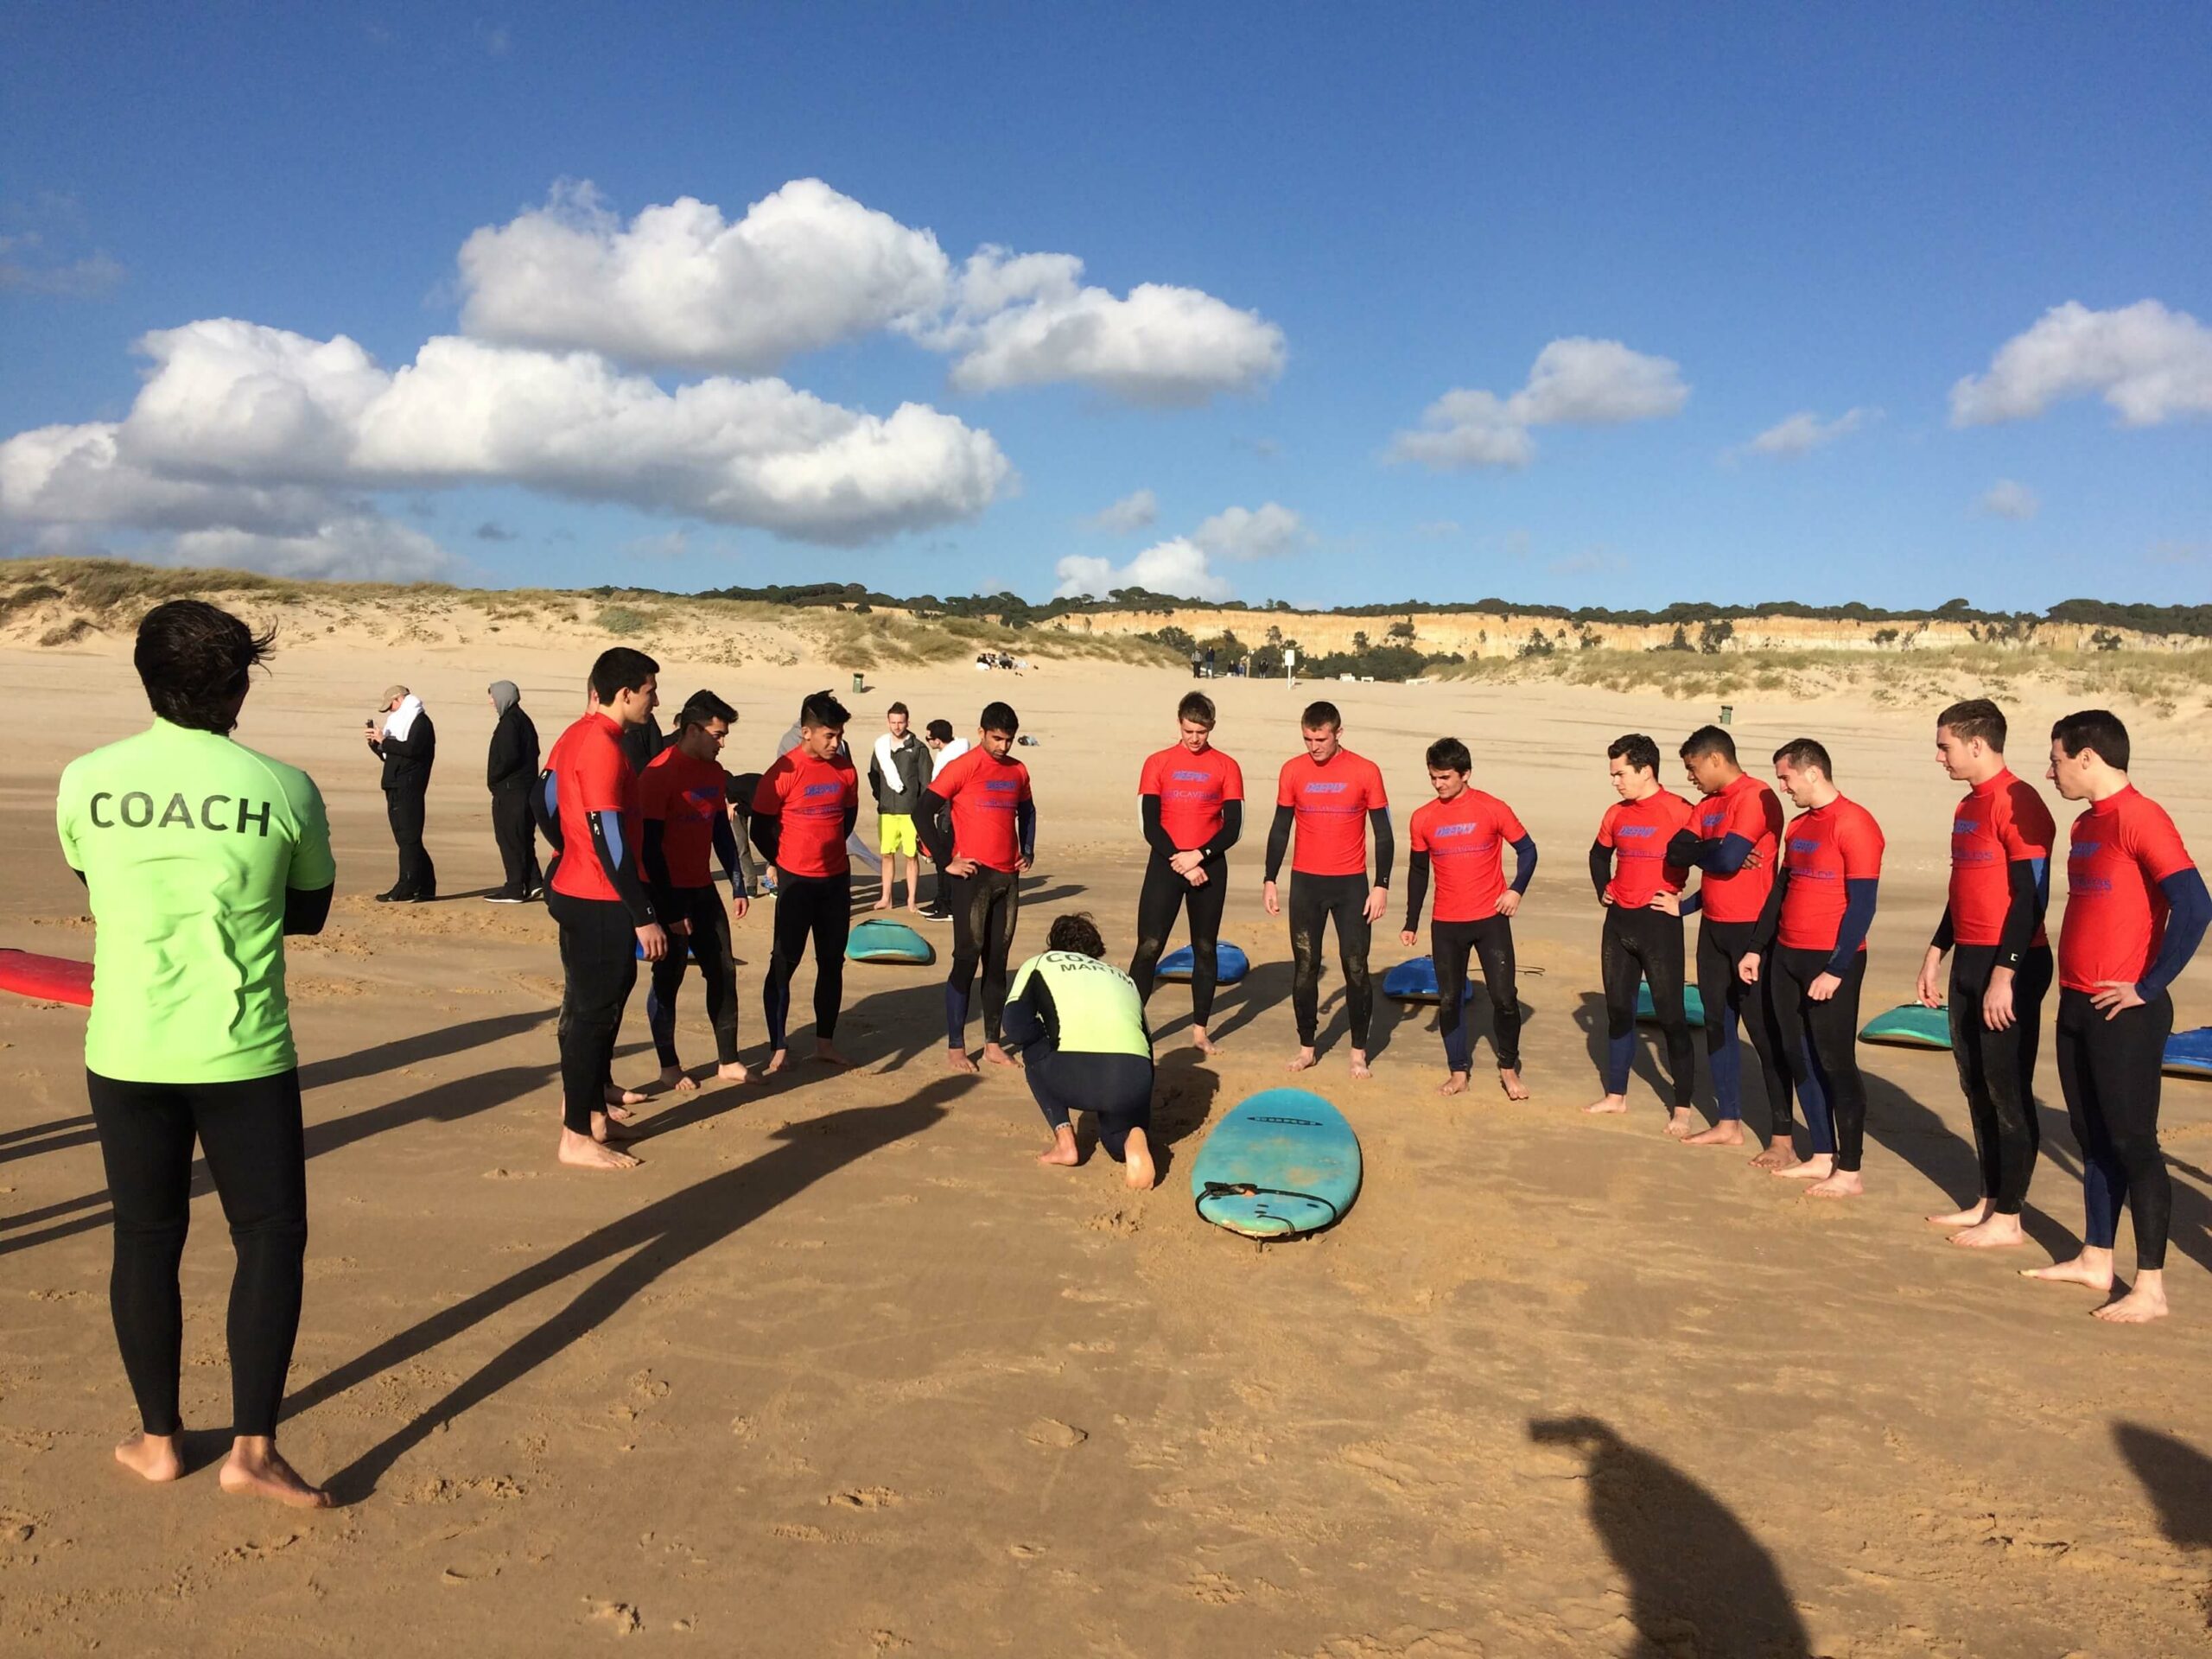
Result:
392,692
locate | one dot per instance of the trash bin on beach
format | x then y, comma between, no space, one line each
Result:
1727,710
860,683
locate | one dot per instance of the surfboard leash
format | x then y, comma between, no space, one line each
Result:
1246,1190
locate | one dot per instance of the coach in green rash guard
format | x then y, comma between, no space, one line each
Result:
198,855
1085,1048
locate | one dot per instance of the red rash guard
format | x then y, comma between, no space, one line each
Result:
1638,832
685,797
1192,789
1751,809
985,793
1828,846
1465,839
811,797
591,774
2115,915
1999,823
1332,800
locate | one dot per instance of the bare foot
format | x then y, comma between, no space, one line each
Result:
1138,1172
585,1153
1508,1079
1818,1167
1359,1064
775,1063
734,1072
2146,1302
1610,1105
1728,1132
825,1053
608,1129
1970,1215
880,904
1993,1233
998,1056
157,1457
1777,1156
1203,1043
957,1059
1455,1084
256,1468
1062,1153
620,1097
676,1078
1844,1184
1678,1121
2091,1267
1306,1061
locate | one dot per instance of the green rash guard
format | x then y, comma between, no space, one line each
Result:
187,841
1090,1006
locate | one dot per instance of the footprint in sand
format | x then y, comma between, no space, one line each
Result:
865,1497
1050,1431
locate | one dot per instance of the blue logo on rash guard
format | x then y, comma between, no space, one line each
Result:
812,790
1326,789
1965,826
1801,844
1192,776
2084,850
1635,831
1443,830
998,784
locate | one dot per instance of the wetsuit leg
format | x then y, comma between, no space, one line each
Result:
146,1134
1974,1047
833,925
662,984
2007,1134
1205,904
1002,914
1054,1091
1308,910
256,1148
2103,1179
600,953
798,898
2124,1056
1449,945
963,895
1659,946
1158,901
1831,1036
1116,1088
1620,970
1348,907
717,959
1734,1010
1493,940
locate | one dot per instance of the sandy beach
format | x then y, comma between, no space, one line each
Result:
839,1371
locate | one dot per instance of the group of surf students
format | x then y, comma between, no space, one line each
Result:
201,855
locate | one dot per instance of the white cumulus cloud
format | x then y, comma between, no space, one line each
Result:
1177,566
1245,533
359,547
2009,498
235,416
1802,433
1574,382
2150,363
1135,511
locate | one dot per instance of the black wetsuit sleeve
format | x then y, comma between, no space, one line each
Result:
1524,863
1025,824
1278,839
655,857
1601,868
934,826
852,813
1860,895
545,808
1232,828
618,862
1946,934
1386,844
2029,880
767,834
1155,837
732,855
307,909
1769,921
1031,1018
1417,888
2188,910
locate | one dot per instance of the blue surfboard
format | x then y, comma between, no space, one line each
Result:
1693,1006
1413,981
881,940
1229,964
1282,1163
2188,1053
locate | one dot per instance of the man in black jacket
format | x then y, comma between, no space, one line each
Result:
509,769
407,748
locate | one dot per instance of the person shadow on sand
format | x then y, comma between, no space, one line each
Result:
1698,1582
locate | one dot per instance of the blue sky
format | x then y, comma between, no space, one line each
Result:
1344,218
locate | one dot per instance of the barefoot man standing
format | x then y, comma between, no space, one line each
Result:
684,796
1191,797
2136,909
1642,938
1816,920
1462,834
198,855
980,823
1331,797
802,813
1084,1048
2001,837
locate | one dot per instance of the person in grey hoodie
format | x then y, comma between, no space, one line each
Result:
509,769
898,773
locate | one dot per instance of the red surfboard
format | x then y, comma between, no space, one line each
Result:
51,979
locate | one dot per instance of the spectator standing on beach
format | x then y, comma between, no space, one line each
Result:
945,748
407,746
510,769
898,771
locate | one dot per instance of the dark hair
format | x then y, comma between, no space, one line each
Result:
1806,755
1000,717
702,706
1636,749
897,709
941,730
1708,740
1320,714
822,709
1450,755
1076,931
619,669
1976,717
2094,728
1196,706
193,659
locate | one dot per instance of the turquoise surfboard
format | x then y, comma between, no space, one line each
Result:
1910,1025
1693,1006
1282,1163
1229,964
878,940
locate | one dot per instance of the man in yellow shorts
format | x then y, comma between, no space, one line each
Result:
898,773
